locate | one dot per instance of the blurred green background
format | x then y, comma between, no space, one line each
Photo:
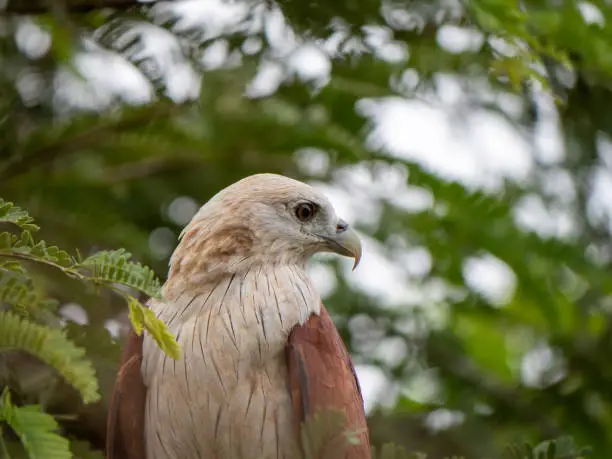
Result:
470,142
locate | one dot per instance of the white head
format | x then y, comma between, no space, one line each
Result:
263,218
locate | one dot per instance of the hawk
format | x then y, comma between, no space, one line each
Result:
259,351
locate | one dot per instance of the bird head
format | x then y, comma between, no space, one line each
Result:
263,218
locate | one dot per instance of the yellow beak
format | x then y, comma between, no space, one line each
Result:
345,242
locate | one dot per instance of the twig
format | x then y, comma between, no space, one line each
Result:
146,168
83,139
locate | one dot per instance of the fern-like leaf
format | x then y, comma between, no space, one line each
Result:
143,318
116,267
53,348
52,254
35,429
7,240
24,247
10,213
17,290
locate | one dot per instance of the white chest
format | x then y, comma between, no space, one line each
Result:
227,396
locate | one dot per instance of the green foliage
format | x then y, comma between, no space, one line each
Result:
503,20
53,348
143,318
10,213
561,448
115,267
105,175
35,429
105,268
43,340
324,436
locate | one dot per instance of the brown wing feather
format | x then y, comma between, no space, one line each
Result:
125,424
321,375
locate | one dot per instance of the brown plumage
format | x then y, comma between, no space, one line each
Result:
259,351
321,374
125,428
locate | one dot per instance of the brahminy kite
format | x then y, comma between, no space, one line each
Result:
259,352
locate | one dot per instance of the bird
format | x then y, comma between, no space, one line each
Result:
259,351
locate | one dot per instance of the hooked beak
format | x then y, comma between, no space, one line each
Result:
345,242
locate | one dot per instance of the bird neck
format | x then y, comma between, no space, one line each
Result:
285,291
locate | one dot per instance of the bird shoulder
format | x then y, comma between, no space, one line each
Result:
322,376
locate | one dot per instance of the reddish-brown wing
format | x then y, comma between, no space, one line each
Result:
321,375
126,411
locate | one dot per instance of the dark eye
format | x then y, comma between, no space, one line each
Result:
305,211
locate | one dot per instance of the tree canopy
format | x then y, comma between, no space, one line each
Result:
119,118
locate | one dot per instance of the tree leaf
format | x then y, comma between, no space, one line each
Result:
142,317
9,213
116,267
35,429
53,348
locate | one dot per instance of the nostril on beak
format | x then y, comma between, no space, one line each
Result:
341,226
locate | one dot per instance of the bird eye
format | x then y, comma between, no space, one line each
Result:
304,211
